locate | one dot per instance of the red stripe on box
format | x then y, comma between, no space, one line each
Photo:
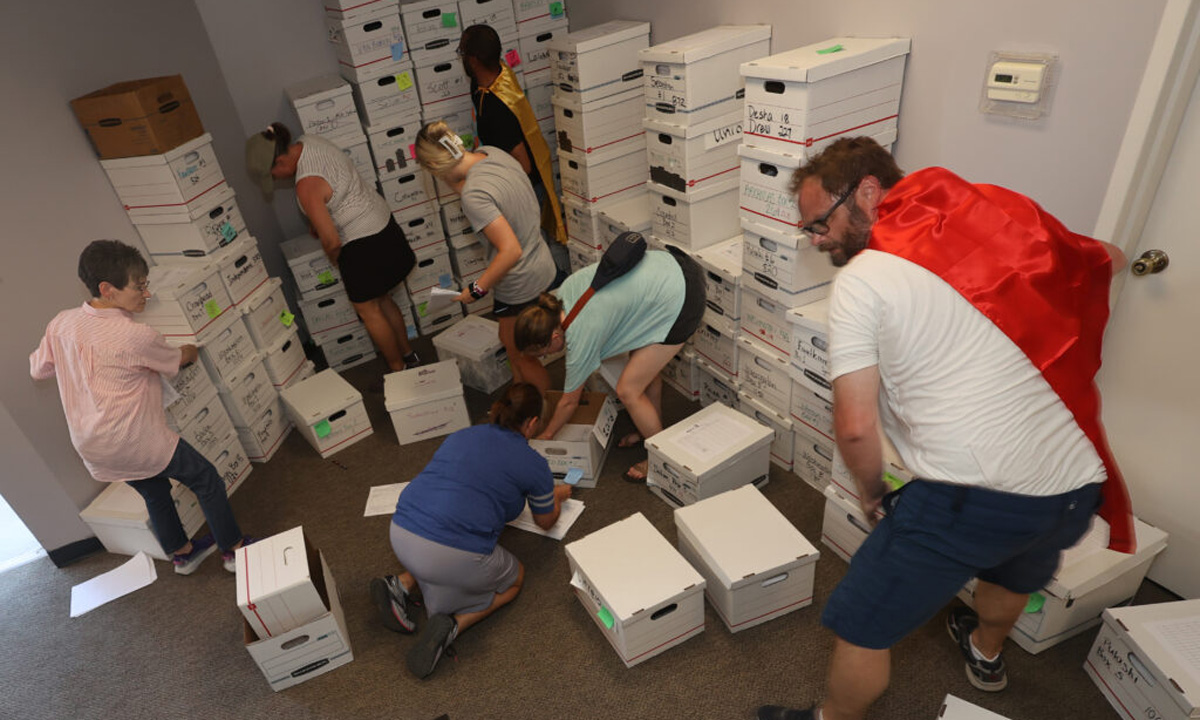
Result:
185,202
692,183
614,142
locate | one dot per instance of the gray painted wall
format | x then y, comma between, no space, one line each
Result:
236,58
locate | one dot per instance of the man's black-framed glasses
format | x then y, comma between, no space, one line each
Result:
820,226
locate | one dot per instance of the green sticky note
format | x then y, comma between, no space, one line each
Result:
556,9
227,231
605,617
326,278
893,482
1036,601
448,20
423,309
830,49
322,429
212,309
468,140
404,80
287,318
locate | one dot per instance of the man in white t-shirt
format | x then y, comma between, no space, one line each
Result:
966,324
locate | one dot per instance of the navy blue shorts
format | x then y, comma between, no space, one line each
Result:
937,536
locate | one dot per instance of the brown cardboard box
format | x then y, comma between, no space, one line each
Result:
139,117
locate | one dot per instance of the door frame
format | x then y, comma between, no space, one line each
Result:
1162,99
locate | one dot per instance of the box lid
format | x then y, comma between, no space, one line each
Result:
706,43
318,88
633,566
1090,564
262,295
754,407
741,535
472,337
635,96
599,36
221,198
367,15
1163,636
272,565
813,316
301,249
163,159
320,396
172,281
823,60
712,125
420,6
118,504
709,439
427,383
771,157
348,140
723,258
633,213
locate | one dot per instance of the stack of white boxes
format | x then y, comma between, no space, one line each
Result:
1144,661
693,119
707,453
325,106
329,412
539,23
643,595
596,100
328,314
293,625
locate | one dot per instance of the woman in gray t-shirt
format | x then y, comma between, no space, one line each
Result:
500,204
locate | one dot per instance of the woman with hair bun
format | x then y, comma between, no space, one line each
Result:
500,204
448,519
649,312
356,229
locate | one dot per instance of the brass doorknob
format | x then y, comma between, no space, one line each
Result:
1151,261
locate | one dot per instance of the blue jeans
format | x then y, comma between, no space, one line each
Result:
194,471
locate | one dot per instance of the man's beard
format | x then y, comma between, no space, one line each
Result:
854,240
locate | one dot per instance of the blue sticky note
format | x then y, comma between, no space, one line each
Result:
574,475
445,280
228,232
397,51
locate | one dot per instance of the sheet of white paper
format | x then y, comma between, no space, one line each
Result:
382,499
1181,638
568,513
711,437
440,298
136,573
170,394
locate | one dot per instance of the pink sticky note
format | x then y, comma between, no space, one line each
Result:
512,58
412,151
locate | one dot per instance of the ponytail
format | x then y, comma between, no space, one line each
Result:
537,323
519,403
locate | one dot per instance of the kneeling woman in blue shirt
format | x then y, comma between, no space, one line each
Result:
448,519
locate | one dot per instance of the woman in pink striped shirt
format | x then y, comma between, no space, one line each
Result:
108,368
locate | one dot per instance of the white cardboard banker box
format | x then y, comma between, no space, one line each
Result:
756,565
328,411
425,402
709,452
121,522
474,343
1144,661
642,594
599,61
583,442
310,647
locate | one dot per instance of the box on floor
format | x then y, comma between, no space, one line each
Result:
310,649
709,452
425,402
328,411
583,443
756,565
474,343
643,595
1144,660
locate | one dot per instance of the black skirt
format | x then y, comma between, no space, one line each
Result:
373,266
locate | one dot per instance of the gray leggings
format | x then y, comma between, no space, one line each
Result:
452,580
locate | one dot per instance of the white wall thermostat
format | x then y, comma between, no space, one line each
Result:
1018,85
1016,81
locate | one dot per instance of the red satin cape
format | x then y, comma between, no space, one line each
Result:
1044,286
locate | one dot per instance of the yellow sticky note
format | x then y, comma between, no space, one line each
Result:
212,309
286,318
404,80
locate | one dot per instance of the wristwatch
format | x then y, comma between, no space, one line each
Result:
476,291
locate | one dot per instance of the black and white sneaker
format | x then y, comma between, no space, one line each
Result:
391,602
432,643
987,675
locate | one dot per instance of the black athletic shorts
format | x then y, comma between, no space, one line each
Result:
373,266
694,299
